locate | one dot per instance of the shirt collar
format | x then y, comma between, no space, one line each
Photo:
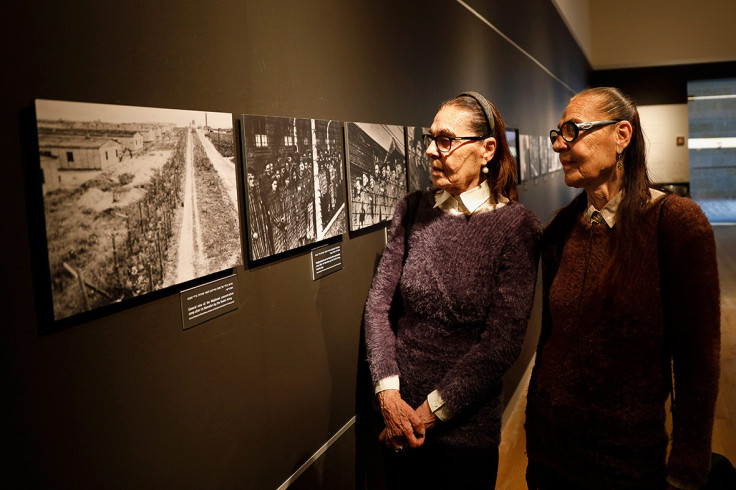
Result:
472,201
608,213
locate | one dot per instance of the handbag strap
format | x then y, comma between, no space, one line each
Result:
667,340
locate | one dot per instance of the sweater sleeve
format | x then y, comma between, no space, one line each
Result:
692,322
379,334
480,370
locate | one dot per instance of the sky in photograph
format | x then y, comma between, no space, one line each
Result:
384,133
84,111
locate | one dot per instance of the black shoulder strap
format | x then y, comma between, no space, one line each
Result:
667,340
555,236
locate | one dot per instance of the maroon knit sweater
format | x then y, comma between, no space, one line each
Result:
467,289
595,411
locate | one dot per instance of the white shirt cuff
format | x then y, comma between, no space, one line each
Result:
438,407
389,383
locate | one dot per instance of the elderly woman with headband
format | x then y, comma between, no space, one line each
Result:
631,301
464,278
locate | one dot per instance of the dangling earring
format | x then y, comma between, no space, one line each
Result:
485,169
620,161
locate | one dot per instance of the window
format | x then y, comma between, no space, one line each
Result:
261,141
711,108
70,156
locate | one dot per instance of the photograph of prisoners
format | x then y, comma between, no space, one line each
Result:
376,170
295,184
136,199
418,166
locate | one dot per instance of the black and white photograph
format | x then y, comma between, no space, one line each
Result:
376,171
554,158
524,157
295,183
136,199
512,138
418,166
544,151
532,154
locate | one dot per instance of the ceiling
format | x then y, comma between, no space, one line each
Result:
640,33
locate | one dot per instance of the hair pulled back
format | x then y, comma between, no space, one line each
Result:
502,167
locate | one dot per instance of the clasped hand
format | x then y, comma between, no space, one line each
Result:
404,425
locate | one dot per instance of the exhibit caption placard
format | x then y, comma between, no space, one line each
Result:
326,260
205,302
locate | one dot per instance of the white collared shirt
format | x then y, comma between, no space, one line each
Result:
473,201
608,213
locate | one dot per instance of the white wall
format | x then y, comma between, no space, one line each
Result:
662,124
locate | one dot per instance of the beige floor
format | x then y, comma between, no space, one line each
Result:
512,456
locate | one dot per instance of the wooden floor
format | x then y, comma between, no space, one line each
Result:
512,456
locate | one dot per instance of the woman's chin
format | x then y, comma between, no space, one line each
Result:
572,180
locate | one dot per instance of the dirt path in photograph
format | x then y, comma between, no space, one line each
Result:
225,168
190,252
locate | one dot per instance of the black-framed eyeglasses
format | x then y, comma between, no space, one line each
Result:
444,143
570,130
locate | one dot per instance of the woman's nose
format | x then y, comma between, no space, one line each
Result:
559,144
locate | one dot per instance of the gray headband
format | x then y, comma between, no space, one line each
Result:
486,106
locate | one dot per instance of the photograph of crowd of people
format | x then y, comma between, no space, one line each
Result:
294,182
376,170
418,169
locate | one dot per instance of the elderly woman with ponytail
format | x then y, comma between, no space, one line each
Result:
464,278
630,315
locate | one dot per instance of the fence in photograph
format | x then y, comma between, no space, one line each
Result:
222,139
138,254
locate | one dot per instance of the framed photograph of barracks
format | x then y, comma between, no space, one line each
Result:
136,199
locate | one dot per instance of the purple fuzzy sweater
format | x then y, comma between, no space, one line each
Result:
467,289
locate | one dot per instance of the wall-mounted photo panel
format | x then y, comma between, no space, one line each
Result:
136,199
512,137
294,180
376,171
554,158
535,157
544,151
418,166
526,155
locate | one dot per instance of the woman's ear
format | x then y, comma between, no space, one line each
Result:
623,135
489,149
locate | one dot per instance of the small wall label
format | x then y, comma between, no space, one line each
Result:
326,260
208,301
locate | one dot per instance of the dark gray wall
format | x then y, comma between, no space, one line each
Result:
130,400
661,84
